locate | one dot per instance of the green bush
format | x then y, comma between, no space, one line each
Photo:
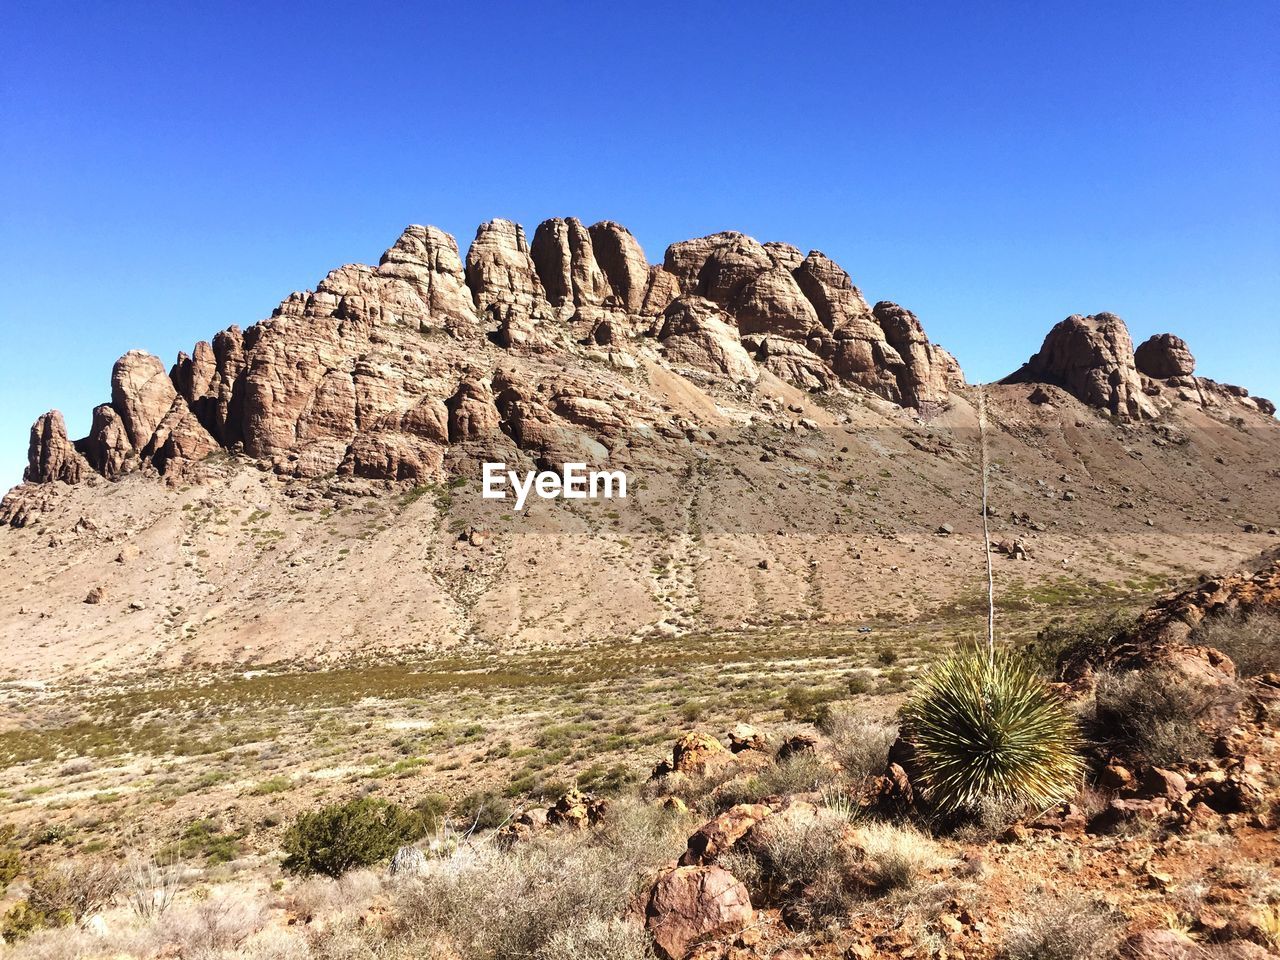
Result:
342,836
10,858
1061,643
483,810
988,727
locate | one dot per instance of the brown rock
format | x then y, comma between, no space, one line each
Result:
746,737
1091,358
50,455
685,260
771,302
1115,777
624,264
473,414
426,259
928,372
697,754
692,905
663,287
1163,784
565,259
1164,356
96,595
722,832
142,393
697,333
501,273
107,448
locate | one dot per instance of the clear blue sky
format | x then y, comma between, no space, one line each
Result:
168,169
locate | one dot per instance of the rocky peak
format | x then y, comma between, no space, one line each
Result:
427,259
356,376
564,257
1091,358
50,455
623,261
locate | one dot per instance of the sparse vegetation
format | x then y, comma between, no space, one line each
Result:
1251,641
1063,930
1158,714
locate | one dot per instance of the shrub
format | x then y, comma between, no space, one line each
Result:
860,743
340,836
1251,641
551,898
483,810
63,894
10,858
895,857
1065,930
988,727
799,773
1157,714
1060,643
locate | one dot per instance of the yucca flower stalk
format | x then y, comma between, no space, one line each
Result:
986,726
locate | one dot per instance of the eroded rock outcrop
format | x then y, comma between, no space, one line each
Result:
383,371
50,455
1091,358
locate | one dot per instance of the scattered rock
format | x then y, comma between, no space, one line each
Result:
691,905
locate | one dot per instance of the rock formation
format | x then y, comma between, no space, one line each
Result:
381,371
1164,356
1093,359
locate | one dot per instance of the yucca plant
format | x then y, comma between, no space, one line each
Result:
985,726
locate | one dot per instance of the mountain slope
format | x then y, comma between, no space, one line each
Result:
310,487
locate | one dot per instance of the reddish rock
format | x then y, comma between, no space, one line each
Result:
50,455
693,905
722,832
1164,356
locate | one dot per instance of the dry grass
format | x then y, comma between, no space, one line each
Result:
859,743
1063,930
1251,641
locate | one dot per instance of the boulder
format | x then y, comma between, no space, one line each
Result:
722,832
1164,356
697,754
689,906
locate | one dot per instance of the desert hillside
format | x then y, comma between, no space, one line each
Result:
309,488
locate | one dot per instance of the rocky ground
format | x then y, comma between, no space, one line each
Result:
799,832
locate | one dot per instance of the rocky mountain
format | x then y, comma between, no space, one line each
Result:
795,451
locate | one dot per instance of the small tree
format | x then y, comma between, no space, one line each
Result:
342,836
